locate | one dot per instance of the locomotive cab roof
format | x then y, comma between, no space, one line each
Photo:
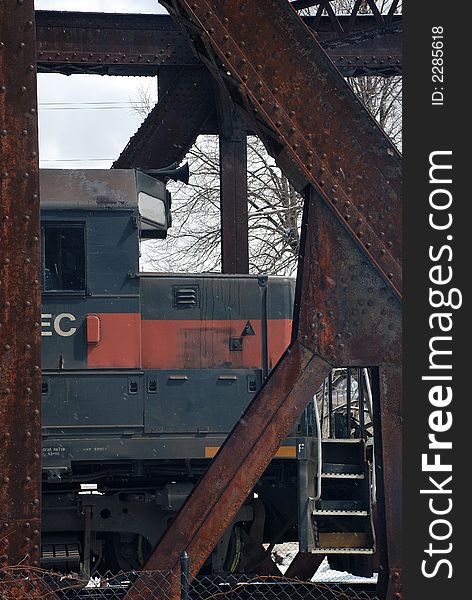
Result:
109,189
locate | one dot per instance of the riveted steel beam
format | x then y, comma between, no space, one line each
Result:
345,310
20,373
174,123
117,44
111,44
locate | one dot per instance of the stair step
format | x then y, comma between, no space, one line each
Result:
342,440
344,452
340,513
335,540
342,475
340,505
342,551
341,469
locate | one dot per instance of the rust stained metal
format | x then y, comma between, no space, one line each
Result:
390,449
114,44
242,459
275,71
173,125
347,313
20,373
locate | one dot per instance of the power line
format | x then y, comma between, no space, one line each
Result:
74,159
86,107
91,105
98,102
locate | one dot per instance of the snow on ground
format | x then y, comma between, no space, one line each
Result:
283,554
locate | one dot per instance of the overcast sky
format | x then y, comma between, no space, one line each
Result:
124,6
88,117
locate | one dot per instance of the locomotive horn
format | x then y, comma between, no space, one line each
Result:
171,172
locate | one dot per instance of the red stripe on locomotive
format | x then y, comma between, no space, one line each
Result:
182,344
128,342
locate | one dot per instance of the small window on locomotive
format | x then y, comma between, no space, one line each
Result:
63,258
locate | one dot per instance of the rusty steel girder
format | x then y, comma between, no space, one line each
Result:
344,310
109,44
389,473
20,373
174,123
117,44
348,299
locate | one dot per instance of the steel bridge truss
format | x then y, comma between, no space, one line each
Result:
270,73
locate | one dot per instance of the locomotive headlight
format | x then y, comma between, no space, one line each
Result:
152,209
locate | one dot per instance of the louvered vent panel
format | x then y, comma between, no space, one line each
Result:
186,297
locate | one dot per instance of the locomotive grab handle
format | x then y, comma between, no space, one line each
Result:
262,281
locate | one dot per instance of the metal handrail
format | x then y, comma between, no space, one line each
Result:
319,453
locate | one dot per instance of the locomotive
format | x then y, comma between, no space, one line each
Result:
144,375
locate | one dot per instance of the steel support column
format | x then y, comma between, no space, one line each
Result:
233,186
389,472
20,350
234,208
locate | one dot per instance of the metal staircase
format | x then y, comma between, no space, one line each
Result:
342,517
338,523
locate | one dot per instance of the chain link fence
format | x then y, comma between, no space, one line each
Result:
19,583
275,588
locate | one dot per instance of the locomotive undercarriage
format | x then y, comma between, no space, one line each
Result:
111,522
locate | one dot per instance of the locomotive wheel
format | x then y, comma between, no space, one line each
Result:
126,551
233,556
